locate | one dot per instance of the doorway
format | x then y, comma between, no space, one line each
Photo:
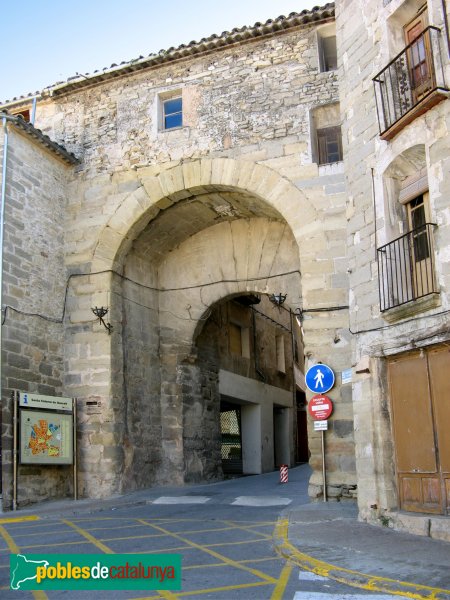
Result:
419,392
231,432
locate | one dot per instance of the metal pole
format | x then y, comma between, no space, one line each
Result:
2,220
15,400
75,465
323,468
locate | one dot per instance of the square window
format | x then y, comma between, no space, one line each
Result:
172,113
329,143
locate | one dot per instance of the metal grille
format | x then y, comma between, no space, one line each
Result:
409,78
230,425
406,268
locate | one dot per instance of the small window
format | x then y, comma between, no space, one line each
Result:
329,142
172,113
235,339
328,53
25,114
239,340
281,357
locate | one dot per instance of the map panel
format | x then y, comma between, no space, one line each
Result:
46,438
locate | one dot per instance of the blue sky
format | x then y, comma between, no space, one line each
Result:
46,41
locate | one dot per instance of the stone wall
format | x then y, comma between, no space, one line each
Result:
143,197
34,284
368,38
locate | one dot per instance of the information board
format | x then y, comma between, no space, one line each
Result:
46,438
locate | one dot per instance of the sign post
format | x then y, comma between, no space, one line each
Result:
44,434
320,379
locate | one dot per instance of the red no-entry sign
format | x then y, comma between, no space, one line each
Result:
320,407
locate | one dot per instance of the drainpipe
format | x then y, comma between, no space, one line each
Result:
33,111
2,221
444,11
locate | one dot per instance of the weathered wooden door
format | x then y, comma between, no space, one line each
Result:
420,402
418,56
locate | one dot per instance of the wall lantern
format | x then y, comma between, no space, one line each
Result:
277,299
100,312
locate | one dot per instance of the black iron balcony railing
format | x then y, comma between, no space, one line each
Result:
411,83
406,268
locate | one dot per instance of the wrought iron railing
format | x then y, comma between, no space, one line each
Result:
411,78
406,268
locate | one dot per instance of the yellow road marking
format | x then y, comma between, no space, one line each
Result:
351,578
225,559
221,564
19,519
14,548
282,583
163,593
225,588
88,537
248,529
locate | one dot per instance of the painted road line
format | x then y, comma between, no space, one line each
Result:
226,588
164,593
278,592
364,581
19,519
208,550
181,500
251,530
340,596
14,549
261,501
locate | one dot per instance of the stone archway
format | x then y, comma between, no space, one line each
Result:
138,256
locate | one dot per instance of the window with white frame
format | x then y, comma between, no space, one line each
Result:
171,112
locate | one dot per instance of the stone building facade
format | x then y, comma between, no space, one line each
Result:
395,76
203,174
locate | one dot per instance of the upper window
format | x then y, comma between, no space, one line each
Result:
328,54
329,143
327,48
172,113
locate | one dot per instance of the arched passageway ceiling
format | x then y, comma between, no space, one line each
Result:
260,191
171,227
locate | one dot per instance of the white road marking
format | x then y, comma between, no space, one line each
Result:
261,501
181,500
307,576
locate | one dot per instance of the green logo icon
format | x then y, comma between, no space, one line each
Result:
95,571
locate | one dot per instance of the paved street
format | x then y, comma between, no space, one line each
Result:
228,535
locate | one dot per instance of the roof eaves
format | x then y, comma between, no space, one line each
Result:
20,123
213,42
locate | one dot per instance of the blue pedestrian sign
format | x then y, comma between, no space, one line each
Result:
319,379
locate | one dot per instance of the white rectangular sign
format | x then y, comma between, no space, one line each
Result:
321,425
27,400
346,376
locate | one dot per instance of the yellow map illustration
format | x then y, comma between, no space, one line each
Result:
43,438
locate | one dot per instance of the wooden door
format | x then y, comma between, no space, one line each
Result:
422,275
419,396
419,56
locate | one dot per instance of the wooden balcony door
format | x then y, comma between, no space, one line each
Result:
419,56
419,393
422,275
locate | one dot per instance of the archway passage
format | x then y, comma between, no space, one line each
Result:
245,359
186,263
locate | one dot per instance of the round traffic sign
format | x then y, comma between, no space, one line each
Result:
320,407
319,378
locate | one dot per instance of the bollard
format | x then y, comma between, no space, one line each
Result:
283,473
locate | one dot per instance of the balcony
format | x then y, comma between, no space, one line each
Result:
406,270
411,84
